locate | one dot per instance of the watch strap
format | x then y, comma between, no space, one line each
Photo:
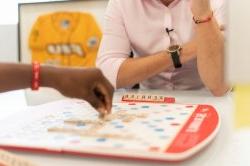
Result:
176,59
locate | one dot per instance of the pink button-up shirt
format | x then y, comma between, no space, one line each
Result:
140,26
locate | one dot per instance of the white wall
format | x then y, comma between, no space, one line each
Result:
238,59
8,30
8,43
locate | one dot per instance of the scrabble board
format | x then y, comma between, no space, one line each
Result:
134,130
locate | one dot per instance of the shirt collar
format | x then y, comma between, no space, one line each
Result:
171,5
174,3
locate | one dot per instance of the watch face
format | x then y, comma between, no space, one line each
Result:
174,48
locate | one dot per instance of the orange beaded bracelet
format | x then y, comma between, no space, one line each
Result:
200,21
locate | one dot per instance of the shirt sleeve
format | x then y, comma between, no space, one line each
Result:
115,46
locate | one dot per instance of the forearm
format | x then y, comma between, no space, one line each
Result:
210,57
14,76
51,77
135,70
19,76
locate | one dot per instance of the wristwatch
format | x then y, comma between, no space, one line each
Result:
175,52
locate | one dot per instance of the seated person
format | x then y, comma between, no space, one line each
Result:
177,44
83,83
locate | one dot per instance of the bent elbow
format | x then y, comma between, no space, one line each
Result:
219,92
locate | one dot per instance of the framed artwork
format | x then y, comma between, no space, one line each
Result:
66,33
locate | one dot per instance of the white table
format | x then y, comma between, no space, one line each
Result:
230,148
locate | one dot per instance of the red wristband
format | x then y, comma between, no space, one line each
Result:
35,76
200,21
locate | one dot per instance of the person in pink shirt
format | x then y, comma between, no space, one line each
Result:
177,44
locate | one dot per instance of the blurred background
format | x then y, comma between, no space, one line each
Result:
9,27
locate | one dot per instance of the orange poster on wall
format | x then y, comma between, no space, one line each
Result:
65,38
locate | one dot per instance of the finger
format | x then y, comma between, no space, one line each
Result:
102,96
110,88
96,103
103,113
105,95
110,92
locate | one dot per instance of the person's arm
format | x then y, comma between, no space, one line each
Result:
210,50
135,70
14,76
83,83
